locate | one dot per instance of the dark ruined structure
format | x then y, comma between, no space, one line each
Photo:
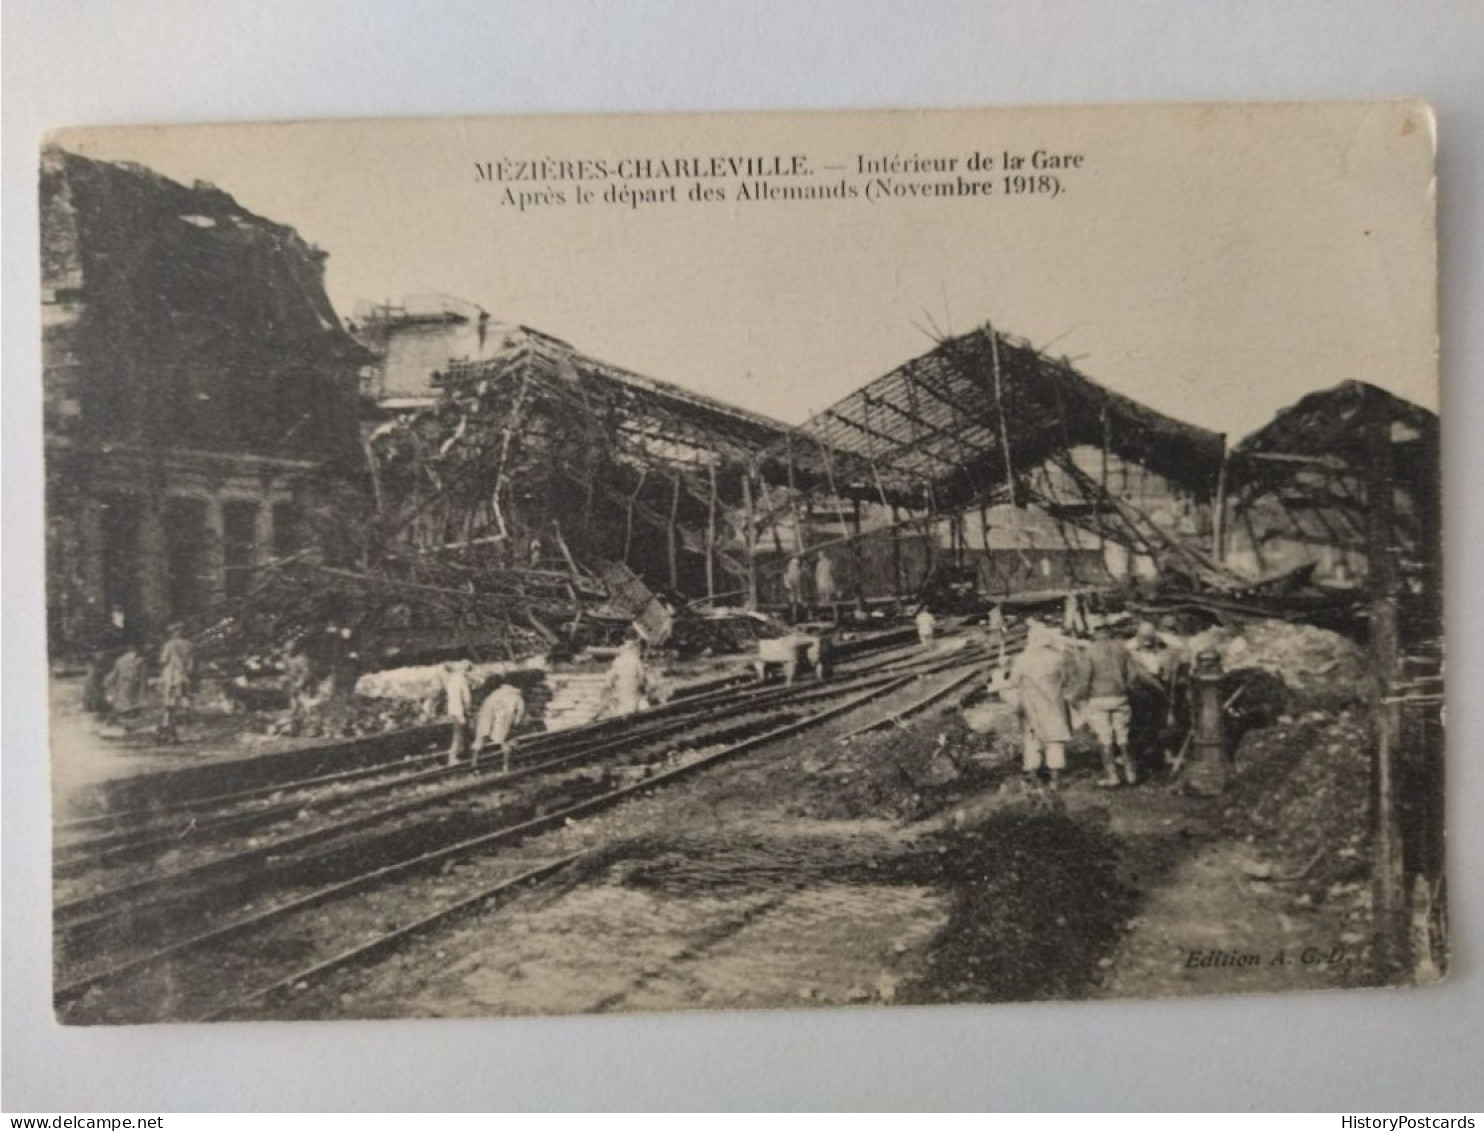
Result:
197,384
497,482
1346,486
1299,488
539,457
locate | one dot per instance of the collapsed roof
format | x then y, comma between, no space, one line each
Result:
1325,428
541,441
1313,458
646,418
960,424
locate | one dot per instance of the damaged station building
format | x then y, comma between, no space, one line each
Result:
202,396
534,450
198,387
422,488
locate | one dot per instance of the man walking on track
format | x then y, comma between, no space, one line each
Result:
457,698
502,711
626,679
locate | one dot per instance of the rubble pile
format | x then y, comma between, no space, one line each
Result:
343,717
425,681
1311,815
1322,669
1321,803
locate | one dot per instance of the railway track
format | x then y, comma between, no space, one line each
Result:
160,793
126,950
161,828
133,901
204,821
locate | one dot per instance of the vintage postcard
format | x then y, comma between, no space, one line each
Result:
584,564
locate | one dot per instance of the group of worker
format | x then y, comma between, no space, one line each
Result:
121,689
1064,677
826,589
503,708
501,711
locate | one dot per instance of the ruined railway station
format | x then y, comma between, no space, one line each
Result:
409,662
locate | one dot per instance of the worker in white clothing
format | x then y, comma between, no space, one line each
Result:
927,626
458,696
627,678
502,711
793,587
825,589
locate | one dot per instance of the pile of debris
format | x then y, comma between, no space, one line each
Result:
1322,669
343,717
1311,779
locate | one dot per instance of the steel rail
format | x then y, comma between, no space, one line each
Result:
72,856
71,990
90,912
358,955
436,734
70,859
912,708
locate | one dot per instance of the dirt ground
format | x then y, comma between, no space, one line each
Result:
913,865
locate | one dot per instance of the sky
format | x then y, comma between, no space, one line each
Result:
1214,263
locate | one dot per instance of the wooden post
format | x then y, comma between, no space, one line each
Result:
1218,509
855,550
801,538
858,545
1388,883
216,553
262,537
929,544
151,563
750,536
1103,474
711,533
999,404
628,529
987,571
896,552
670,532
